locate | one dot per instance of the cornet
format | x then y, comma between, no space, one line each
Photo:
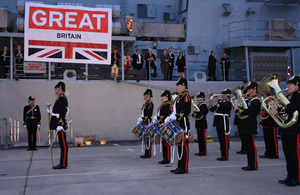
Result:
212,96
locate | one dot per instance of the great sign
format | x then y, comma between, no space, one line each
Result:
66,19
56,33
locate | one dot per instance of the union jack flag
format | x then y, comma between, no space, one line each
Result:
67,50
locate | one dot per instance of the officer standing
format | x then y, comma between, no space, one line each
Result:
225,65
58,122
164,110
221,122
290,136
147,111
181,111
249,125
31,121
201,124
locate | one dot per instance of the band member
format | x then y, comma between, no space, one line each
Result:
58,122
221,121
31,121
201,124
147,111
270,136
249,125
181,111
236,122
164,110
291,136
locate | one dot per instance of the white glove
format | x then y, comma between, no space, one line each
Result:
172,117
49,111
59,128
154,119
139,120
39,125
25,126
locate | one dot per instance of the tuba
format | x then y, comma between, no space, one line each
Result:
194,106
238,100
270,85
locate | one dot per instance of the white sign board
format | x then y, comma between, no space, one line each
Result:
70,34
35,67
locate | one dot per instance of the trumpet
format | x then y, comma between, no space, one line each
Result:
212,96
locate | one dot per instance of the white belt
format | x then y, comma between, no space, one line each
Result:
224,119
56,115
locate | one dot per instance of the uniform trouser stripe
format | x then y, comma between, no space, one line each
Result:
65,148
255,152
227,145
275,140
187,156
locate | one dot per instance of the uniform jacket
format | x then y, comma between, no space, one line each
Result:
147,111
60,107
226,61
223,107
31,114
293,106
182,105
249,124
268,122
164,110
202,123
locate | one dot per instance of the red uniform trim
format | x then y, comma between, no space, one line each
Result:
187,154
275,140
65,149
226,142
255,152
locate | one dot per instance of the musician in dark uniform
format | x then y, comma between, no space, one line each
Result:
31,121
147,111
58,122
236,122
182,106
291,136
201,124
221,121
164,110
270,136
249,125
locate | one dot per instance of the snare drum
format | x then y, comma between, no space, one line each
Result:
139,130
152,130
170,130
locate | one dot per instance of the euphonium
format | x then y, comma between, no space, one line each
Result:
194,106
279,100
238,100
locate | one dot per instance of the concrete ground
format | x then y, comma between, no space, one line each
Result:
118,169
